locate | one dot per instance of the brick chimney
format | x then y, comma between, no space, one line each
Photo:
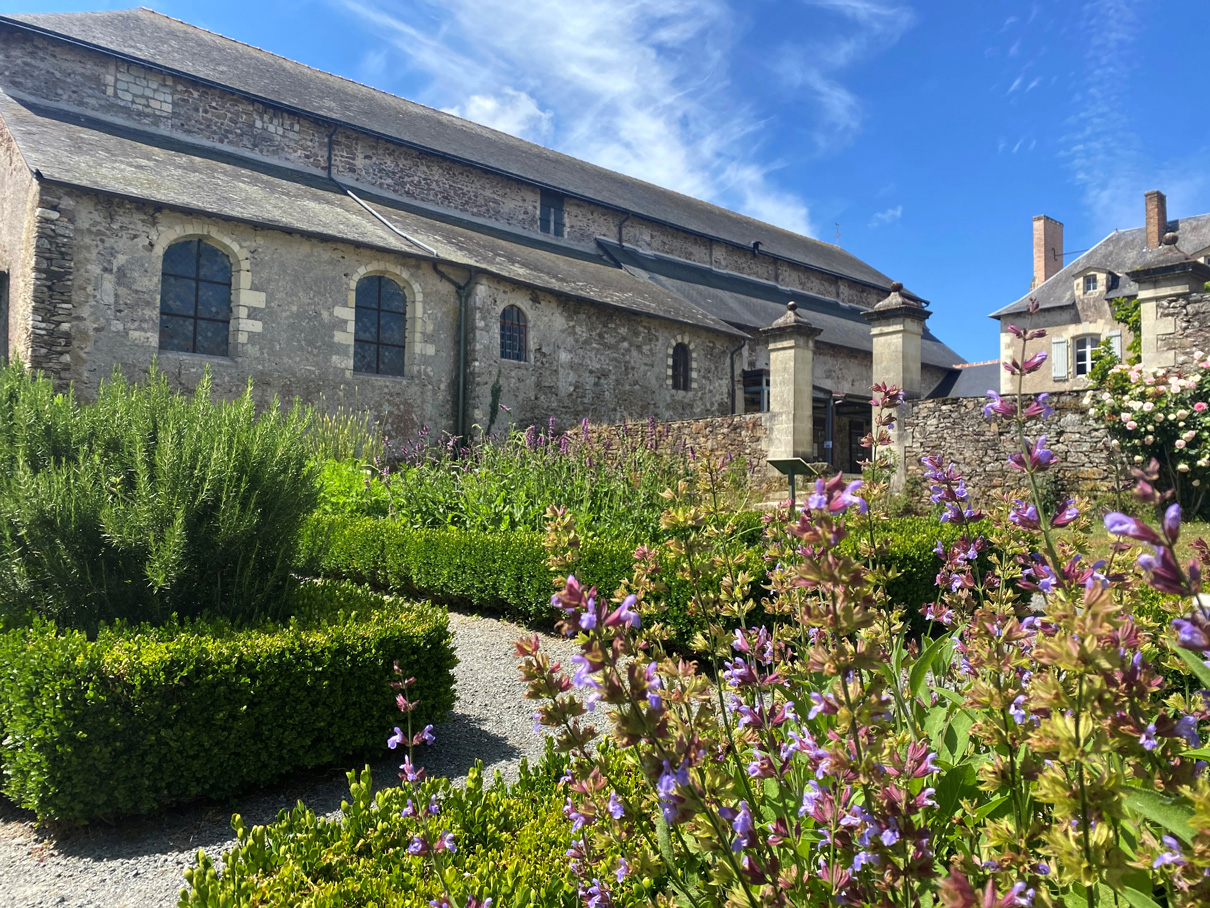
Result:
1157,218
1048,249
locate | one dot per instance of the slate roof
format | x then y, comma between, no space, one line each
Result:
974,380
753,304
1120,252
159,41
77,150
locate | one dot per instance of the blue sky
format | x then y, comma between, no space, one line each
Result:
931,133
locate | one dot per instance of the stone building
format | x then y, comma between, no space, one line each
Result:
170,194
1075,299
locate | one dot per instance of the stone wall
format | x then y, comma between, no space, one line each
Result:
52,284
18,201
96,306
588,361
956,429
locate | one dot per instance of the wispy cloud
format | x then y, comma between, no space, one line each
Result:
889,216
637,87
1108,158
859,30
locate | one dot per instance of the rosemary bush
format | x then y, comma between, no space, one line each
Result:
146,502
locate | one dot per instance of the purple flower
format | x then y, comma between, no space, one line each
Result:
410,772
1024,515
1017,710
861,859
743,826
625,614
890,835
1021,897
409,810
623,870
434,807
1172,856
1065,514
1131,527
418,846
997,406
426,736
1148,739
1040,407
578,820
810,798
445,842
396,739
616,810
1172,523
1186,728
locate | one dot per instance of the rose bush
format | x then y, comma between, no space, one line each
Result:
1162,414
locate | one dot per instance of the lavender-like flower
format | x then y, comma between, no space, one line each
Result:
1173,856
396,739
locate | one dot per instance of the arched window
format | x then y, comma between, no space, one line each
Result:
195,298
680,368
512,334
378,339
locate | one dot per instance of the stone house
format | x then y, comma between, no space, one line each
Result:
173,195
1075,299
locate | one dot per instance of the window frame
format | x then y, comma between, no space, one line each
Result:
378,344
514,334
682,367
551,216
197,281
1095,281
756,383
1083,344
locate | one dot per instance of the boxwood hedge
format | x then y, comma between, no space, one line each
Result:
507,573
142,717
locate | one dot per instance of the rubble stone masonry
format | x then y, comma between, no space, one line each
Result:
956,429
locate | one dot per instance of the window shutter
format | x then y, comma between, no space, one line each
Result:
1115,343
1058,358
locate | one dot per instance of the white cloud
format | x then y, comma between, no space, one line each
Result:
512,111
633,86
889,216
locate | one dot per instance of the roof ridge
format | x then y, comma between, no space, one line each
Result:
463,122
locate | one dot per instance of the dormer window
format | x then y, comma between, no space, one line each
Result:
1090,283
550,213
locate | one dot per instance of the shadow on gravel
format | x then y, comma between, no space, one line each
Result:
461,741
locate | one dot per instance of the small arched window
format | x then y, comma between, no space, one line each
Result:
195,298
680,368
380,308
512,334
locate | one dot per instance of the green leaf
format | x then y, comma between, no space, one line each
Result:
921,668
1134,896
1170,813
1195,663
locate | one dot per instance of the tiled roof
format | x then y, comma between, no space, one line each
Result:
1120,253
169,44
76,150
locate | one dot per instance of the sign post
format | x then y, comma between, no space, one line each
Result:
791,467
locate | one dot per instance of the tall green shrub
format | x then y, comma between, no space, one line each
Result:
146,502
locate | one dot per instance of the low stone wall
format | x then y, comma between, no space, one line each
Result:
742,438
956,429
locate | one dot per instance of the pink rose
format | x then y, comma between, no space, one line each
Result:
1199,407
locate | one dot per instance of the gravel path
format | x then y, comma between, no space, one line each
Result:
139,863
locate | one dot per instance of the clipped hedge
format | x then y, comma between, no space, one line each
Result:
506,572
500,572
143,717
511,844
